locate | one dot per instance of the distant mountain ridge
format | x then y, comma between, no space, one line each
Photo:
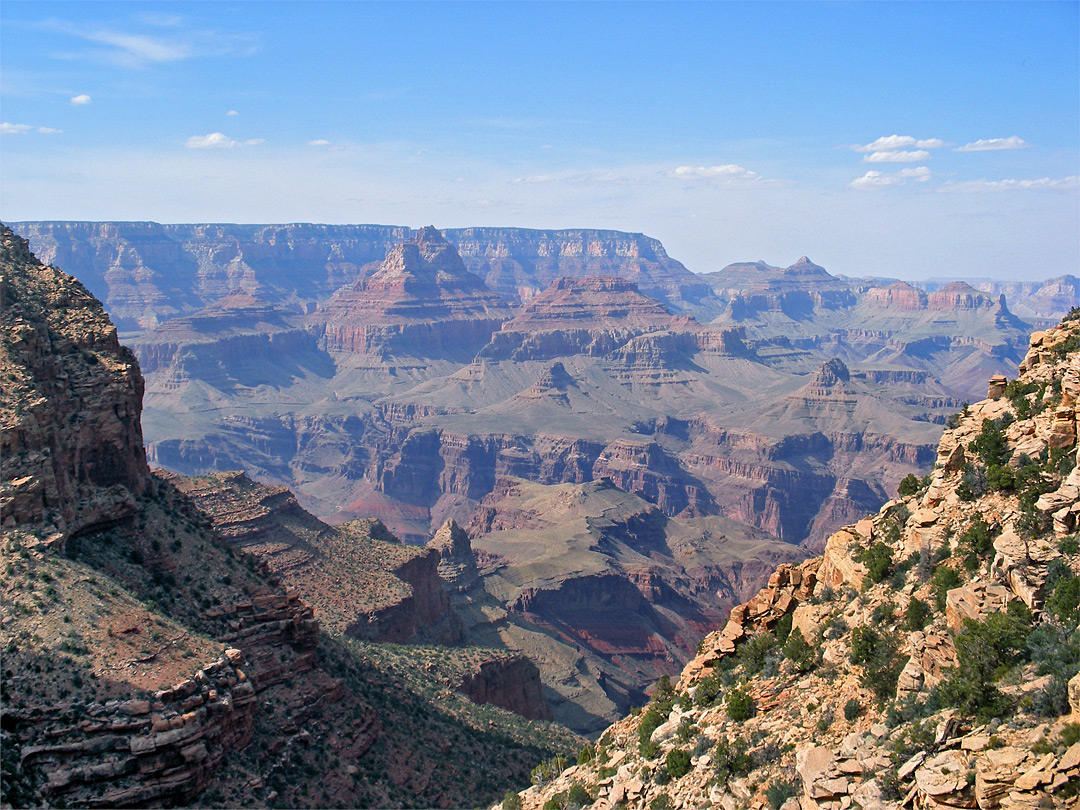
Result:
146,272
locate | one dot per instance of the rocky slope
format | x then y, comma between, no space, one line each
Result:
148,663
929,658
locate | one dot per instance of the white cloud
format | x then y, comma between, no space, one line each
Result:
729,175
232,112
218,140
920,174
49,131
890,143
81,99
319,142
994,144
534,178
873,179
974,186
215,140
896,156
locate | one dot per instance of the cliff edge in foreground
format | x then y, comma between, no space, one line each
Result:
929,658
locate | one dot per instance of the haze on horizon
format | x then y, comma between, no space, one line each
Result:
890,139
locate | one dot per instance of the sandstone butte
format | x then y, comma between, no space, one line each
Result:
155,650
928,658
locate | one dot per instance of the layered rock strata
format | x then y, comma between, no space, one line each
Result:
842,684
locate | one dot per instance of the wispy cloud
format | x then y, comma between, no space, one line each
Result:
132,49
218,140
232,113
80,100
1048,183
319,142
19,129
994,144
896,156
532,178
890,143
875,179
728,174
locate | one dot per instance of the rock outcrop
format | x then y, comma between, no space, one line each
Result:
72,442
903,667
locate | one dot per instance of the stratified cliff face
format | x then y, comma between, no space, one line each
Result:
929,658
421,301
519,263
72,442
147,273
144,663
1036,301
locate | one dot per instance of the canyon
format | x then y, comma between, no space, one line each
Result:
420,377
155,658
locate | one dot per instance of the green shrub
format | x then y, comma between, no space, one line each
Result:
731,760
984,650
852,709
548,770
877,559
706,691
864,644
1064,599
740,705
511,801
661,802
678,763
977,537
754,654
783,628
586,755
878,652
944,580
578,796
780,790
909,485
916,616
1070,734
799,651
1000,478
990,445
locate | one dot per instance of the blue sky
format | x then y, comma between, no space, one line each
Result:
904,139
